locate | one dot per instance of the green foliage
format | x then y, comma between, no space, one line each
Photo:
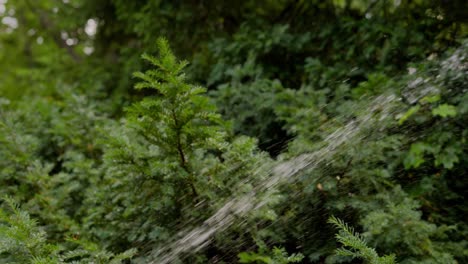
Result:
230,98
354,245
174,150
277,256
444,110
400,227
99,167
415,156
408,114
22,241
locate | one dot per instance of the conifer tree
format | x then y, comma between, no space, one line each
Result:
179,120
172,160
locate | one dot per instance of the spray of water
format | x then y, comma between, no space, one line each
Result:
239,206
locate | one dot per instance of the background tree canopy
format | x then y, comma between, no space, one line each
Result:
126,124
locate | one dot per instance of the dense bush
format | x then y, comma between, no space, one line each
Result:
109,158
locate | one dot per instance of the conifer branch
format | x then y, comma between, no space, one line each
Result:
354,245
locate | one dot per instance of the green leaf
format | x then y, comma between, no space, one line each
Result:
448,157
408,114
444,110
415,156
248,257
430,99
